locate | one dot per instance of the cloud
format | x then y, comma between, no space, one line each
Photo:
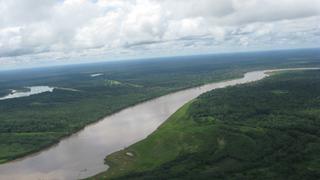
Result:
66,29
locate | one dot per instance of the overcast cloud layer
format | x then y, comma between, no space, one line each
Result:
52,31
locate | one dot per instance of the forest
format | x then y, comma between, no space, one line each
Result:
268,129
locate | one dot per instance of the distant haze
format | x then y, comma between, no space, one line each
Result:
44,32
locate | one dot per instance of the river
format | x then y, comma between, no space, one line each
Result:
82,154
33,90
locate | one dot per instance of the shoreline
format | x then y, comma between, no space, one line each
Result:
64,137
268,73
252,77
55,143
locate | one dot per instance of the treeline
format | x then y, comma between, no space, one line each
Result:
263,130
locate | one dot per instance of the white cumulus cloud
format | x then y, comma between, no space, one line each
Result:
37,31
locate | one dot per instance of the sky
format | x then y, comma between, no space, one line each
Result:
48,32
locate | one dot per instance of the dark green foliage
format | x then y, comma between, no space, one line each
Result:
266,130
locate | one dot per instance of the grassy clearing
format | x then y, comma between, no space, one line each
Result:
160,146
112,82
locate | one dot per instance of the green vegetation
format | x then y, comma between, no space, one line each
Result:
263,130
30,123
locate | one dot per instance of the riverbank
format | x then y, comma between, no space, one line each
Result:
199,141
44,146
82,154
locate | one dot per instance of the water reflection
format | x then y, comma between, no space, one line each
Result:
27,92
